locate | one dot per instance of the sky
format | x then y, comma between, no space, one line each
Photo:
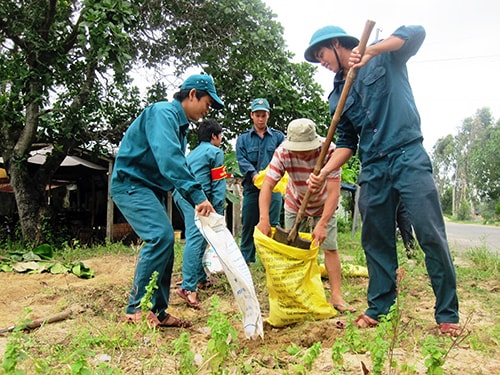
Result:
456,70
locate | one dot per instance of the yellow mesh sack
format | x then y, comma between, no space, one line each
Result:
293,278
280,186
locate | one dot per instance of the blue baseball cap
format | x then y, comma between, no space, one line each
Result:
260,104
325,33
203,82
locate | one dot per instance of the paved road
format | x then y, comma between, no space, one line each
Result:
467,236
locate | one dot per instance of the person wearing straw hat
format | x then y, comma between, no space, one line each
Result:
151,162
298,155
380,121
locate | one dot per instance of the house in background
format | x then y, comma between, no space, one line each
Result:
78,194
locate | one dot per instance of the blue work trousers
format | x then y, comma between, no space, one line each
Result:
250,217
193,272
145,210
405,174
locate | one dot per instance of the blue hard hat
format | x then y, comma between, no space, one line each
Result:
325,33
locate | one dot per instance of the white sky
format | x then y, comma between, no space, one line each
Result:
455,72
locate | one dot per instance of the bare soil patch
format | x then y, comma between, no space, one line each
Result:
99,302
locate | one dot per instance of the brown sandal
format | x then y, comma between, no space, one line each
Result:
342,308
151,318
450,329
208,284
184,294
173,322
364,321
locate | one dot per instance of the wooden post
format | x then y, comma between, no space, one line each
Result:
110,206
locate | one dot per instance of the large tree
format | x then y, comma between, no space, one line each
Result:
242,46
65,75
469,162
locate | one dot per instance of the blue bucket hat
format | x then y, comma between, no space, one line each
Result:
260,104
203,82
325,33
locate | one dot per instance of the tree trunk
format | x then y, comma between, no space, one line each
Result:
31,202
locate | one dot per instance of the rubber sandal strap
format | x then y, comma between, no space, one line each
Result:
368,322
175,322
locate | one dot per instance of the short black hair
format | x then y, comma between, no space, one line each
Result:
207,128
183,94
328,43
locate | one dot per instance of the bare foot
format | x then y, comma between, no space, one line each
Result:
364,321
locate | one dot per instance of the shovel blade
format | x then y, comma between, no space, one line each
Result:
281,236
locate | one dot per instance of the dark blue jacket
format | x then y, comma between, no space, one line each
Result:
380,114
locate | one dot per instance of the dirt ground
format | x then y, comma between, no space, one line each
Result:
100,301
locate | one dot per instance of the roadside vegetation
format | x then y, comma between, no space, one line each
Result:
406,342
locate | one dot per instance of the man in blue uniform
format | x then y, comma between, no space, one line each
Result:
381,121
206,162
254,151
150,162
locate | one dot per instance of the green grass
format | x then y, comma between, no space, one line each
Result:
84,349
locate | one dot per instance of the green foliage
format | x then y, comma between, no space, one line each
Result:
58,60
245,51
182,349
80,365
350,170
40,259
382,341
435,356
223,338
486,263
344,224
485,162
463,212
231,164
14,354
128,345
354,339
468,163
382,345
146,301
73,251
67,67
15,350
293,349
338,350
308,359
447,200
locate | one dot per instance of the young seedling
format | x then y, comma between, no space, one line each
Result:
182,349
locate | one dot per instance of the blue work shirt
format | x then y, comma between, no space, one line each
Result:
153,149
254,153
380,114
205,158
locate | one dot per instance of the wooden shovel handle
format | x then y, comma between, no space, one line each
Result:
351,74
